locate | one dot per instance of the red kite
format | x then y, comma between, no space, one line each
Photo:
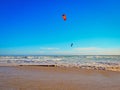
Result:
64,17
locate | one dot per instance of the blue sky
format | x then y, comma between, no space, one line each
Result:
30,27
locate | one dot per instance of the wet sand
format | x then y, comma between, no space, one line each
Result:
57,78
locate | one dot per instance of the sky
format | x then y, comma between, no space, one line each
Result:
36,27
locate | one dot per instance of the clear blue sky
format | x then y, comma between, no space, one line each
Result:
37,27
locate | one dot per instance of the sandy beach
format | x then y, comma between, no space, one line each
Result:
57,78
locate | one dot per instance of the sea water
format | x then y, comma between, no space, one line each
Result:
82,61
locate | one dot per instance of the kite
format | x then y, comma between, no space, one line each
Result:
71,44
64,17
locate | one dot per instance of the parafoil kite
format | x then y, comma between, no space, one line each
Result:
64,17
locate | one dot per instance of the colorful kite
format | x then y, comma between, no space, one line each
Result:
64,17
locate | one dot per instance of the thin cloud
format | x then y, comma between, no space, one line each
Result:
88,49
97,51
49,48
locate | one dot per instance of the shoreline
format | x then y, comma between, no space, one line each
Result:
88,67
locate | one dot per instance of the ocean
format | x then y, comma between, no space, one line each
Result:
102,62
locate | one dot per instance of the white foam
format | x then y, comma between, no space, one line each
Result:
94,62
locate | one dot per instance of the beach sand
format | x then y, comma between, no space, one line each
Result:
57,78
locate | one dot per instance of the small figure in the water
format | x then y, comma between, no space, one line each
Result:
71,44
